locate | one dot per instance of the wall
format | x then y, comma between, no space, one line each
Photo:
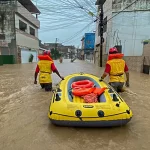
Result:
27,15
139,5
131,28
146,50
17,18
7,28
135,63
24,39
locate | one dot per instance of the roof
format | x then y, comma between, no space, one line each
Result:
29,6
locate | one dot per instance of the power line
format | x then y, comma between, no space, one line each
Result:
79,32
122,10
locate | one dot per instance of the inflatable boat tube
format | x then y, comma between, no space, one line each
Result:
83,84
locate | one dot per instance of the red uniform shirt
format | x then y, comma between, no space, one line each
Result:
53,68
108,68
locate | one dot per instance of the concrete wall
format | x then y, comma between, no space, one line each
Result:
135,63
17,18
139,5
24,39
7,28
129,29
15,39
27,15
146,50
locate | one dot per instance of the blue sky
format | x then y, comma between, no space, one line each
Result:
66,20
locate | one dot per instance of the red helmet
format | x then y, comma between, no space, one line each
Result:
113,50
48,52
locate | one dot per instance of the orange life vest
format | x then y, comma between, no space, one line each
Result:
45,57
86,91
117,70
82,91
45,68
115,56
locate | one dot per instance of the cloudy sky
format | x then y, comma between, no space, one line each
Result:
66,20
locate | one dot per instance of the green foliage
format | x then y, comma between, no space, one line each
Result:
31,58
55,54
146,41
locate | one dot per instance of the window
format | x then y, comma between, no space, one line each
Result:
22,26
32,31
2,36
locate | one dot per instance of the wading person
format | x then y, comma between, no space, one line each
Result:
45,67
116,68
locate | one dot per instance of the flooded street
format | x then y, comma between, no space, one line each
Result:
24,124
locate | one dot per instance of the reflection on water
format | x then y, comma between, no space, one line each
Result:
24,124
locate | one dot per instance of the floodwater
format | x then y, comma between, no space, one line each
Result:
24,124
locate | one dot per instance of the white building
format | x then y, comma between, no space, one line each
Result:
21,31
127,29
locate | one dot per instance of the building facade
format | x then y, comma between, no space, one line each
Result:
19,30
82,49
63,49
126,30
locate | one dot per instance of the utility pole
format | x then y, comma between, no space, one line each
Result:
71,54
100,3
56,44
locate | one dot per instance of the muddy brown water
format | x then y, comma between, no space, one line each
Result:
24,124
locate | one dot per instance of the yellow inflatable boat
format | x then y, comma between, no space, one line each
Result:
69,110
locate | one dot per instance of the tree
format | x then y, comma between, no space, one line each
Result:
55,54
31,58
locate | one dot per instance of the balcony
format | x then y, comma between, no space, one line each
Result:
25,13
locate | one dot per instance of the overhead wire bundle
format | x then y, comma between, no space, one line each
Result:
63,14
